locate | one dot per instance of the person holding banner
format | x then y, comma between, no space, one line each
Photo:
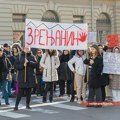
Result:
79,71
25,64
115,81
96,63
65,74
50,62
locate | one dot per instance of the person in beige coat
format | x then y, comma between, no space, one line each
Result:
50,62
115,82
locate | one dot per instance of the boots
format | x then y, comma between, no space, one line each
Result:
72,99
28,106
44,100
16,108
50,98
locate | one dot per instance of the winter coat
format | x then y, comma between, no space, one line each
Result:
115,82
105,77
50,65
115,78
64,72
4,67
95,72
80,67
30,74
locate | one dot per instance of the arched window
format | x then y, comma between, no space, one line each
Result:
103,26
50,16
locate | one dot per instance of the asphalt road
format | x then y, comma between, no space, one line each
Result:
60,109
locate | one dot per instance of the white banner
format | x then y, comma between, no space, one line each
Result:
61,36
92,38
111,63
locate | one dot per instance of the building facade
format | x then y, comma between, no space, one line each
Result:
102,16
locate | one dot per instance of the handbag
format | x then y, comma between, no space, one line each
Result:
16,88
9,76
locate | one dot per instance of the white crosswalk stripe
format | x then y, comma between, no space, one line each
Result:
13,115
69,107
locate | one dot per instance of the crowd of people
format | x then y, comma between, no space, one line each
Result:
78,73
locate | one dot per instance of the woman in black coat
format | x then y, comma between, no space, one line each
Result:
64,73
105,77
30,81
96,63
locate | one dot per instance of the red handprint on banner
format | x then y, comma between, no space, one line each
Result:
83,36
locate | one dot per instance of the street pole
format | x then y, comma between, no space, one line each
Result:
92,15
115,26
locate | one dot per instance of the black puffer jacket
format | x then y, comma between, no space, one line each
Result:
30,74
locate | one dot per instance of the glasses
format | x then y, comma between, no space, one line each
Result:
39,53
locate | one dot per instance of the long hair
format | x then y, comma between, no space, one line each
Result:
54,53
97,53
77,53
17,45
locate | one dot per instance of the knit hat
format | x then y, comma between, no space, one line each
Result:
5,45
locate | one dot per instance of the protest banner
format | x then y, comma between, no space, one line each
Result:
112,41
92,37
63,36
111,63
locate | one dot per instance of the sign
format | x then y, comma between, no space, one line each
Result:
63,36
111,63
112,41
92,38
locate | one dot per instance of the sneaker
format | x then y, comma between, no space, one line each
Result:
79,101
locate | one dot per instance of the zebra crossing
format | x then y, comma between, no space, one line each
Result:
38,106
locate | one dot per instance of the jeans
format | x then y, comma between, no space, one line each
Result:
4,90
0,89
9,87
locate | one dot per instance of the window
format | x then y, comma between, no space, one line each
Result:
50,16
103,26
19,17
78,19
